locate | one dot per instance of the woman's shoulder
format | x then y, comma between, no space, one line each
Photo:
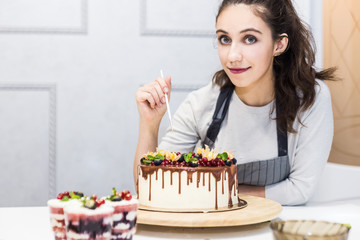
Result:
207,94
322,91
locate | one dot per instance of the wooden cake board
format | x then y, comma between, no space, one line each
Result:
257,210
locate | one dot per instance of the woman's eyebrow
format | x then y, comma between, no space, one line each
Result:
242,31
222,31
250,30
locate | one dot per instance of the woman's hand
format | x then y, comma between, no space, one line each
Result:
151,105
151,101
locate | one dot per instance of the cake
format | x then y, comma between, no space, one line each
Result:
56,208
91,220
125,214
205,180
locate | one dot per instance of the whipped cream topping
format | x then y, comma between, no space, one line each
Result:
122,202
83,210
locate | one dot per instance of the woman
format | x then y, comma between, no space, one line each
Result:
268,105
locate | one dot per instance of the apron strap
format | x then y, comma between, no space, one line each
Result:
281,134
222,106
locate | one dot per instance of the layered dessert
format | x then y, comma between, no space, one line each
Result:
56,207
201,180
91,220
125,214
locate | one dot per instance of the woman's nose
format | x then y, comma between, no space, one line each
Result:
235,54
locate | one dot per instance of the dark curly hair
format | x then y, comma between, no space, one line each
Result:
294,69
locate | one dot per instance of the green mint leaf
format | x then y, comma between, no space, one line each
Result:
74,196
188,156
65,199
159,156
149,157
194,160
147,161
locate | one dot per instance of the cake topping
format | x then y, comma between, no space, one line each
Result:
119,196
66,196
93,202
204,157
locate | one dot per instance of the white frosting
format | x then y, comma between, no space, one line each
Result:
55,223
131,215
60,235
122,202
127,235
56,203
118,216
122,226
83,210
57,216
74,235
191,196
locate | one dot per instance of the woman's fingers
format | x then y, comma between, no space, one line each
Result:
154,93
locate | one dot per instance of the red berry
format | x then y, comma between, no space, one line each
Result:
222,162
152,164
60,196
124,193
128,197
100,202
178,153
94,197
205,159
67,194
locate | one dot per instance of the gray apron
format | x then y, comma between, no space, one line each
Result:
257,173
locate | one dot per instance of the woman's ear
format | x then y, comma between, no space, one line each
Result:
281,45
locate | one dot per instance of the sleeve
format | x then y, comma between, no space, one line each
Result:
310,155
184,136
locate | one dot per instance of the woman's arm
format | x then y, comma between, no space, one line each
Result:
257,191
150,100
312,146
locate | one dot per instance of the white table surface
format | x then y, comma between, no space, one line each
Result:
33,223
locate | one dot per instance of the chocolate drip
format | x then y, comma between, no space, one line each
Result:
204,179
222,182
156,176
150,188
197,179
219,173
190,178
179,182
216,198
209,182
162,179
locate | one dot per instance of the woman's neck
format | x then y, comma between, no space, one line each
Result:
257,94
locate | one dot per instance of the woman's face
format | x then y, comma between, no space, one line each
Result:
245,47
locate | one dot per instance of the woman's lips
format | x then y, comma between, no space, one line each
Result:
238,70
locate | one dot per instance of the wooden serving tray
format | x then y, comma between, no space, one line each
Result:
257,210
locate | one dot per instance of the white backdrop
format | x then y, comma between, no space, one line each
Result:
69,70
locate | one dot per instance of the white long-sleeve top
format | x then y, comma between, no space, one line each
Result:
250,133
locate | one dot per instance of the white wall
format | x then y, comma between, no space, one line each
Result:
69,70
